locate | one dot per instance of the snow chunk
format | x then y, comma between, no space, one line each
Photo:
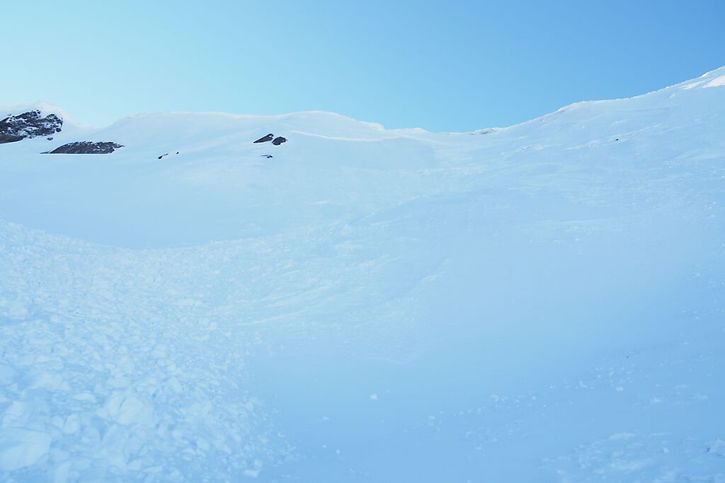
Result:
22,447
717,448
126,410
7,374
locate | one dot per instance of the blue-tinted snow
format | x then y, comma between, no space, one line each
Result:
536,303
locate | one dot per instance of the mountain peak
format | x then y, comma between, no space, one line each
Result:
29,124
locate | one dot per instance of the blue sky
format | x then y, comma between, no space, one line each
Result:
454,65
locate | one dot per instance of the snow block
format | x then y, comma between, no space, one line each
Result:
22,447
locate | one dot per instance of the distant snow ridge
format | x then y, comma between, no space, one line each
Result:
29,125
715,78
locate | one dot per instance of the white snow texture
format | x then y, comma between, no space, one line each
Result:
542,302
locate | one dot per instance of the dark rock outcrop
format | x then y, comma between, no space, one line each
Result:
270,137
28,125
86,147
162,156
265,139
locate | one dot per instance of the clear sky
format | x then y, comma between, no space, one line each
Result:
453,65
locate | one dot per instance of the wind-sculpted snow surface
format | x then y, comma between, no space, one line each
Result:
535,303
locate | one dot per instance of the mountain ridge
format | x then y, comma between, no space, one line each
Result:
710,79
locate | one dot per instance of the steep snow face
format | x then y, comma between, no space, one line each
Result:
541,302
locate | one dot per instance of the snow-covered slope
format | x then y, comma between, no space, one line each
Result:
541,302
